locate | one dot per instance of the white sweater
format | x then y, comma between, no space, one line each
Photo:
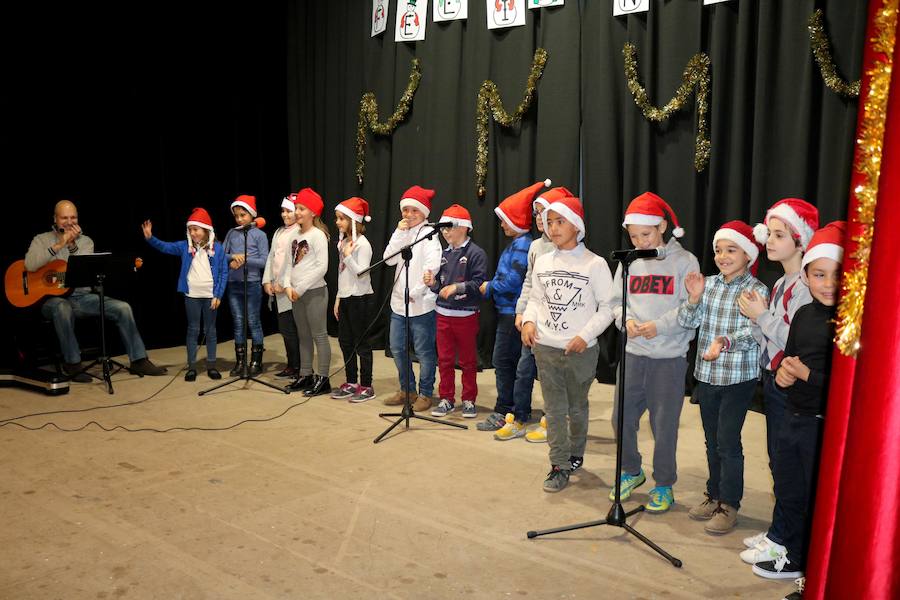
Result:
349,281
280,243
308,272
569,295
425,256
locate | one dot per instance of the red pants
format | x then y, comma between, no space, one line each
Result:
457,336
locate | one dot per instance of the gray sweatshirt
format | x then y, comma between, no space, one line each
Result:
538,247
40,252
655,291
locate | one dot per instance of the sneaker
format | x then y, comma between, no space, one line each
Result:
577,462
800,582
421,403
661,499
469,411
444,408
345,392
511,429
557,480
362,394
724,519
494,422
286,373
781,568
755,539
627,484
705,510
765,550
538,435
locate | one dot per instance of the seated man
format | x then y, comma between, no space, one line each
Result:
63,241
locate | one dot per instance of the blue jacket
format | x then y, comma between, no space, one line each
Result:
467,268
257,253
505,287
218,263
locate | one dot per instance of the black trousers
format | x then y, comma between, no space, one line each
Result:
355,314
288,331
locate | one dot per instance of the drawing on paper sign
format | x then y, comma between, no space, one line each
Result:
504,12
409,22
448,8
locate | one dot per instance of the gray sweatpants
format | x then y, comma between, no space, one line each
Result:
657,385
565,382
311,318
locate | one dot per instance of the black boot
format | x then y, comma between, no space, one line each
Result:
301,384
256,353
240,355
320,386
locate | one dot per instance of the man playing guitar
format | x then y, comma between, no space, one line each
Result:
66,239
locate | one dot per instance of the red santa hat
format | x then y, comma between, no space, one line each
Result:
289,201
827,242
741,234
246,202
200,218
419,198
458,215
799,215
516,210
569,208
650,209
311,199
357,209
551,196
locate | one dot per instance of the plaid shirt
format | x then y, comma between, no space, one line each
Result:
717,314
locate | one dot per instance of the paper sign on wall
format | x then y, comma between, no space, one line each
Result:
450,10
379,16
505,13
411,17
627,7
545,3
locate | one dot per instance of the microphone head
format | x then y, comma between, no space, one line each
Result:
259,222
661,252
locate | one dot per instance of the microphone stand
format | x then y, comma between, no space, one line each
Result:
407,412
245,370
617,517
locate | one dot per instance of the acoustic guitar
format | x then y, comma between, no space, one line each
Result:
24,288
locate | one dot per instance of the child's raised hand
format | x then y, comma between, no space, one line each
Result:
752,304
402,225
715,349
428,278
795,367
576,345
347,250
694,283
447,291
783,378
214,303
529,334
632,327
147,227
648,330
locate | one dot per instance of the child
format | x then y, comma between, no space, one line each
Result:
457,283
728,369
786,231
515,214
354,306
276,263
415,206
202,280
567,310
656,347
804,374
244,211
304,284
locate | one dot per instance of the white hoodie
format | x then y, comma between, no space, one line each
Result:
425,256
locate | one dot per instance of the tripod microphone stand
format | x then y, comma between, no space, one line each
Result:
245,369
617,517
407,412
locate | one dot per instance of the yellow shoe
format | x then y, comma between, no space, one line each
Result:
511,430
538,435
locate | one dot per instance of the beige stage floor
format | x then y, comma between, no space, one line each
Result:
306,506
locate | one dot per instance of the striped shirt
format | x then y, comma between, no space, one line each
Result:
717,314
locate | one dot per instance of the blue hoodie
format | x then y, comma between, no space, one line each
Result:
217,263
505,287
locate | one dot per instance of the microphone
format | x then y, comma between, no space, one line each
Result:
441,225
634,254
257,223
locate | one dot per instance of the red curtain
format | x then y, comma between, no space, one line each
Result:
855,545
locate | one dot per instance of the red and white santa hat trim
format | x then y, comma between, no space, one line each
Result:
800,216
310,199
569,208
551,196
289,201
516,210
741,234
200,218
419,198
458,215
650,209
246,202
357,210
827,242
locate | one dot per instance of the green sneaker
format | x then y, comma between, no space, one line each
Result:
661,499
627,485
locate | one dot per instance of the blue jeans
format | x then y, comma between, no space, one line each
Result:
198,309
507,350
236,302
422,333
526,371
774,399
723,409
64,311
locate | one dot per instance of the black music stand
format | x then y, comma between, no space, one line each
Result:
92,270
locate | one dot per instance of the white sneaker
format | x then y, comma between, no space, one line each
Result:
755,539
764,551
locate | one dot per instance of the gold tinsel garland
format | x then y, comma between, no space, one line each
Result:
821,49
868,164
696,74
368,117
489,103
